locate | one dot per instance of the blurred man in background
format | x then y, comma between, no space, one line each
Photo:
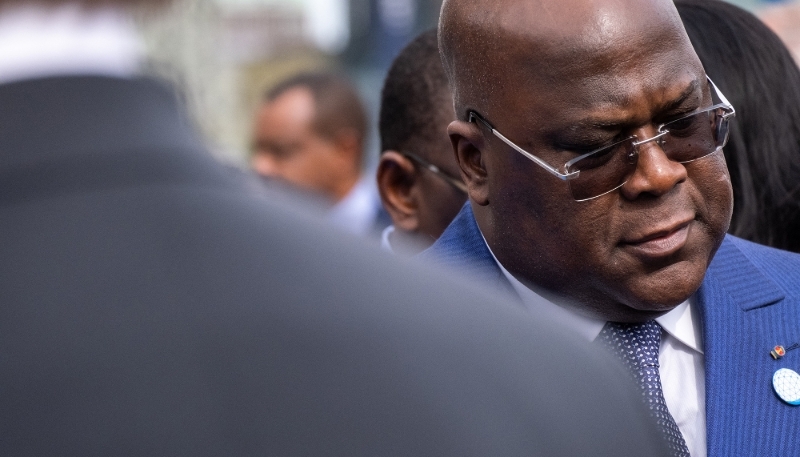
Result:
418,177
152,305
310,131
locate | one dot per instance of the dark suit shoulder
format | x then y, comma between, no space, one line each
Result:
154,306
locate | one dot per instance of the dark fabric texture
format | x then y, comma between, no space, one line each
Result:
749,302
153,304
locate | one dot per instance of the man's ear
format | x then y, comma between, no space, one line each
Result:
468,142
397,177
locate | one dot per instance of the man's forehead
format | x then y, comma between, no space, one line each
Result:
563,21
541,42
296,104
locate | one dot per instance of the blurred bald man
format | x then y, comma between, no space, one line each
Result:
589,137
152,304
310,132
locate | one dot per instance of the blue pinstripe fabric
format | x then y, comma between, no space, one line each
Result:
749,302
461,247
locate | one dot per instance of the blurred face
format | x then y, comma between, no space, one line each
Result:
636,252
287,147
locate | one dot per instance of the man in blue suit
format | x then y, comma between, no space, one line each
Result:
589,137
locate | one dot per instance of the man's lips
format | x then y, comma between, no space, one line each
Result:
661,242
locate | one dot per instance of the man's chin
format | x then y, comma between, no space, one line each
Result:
658,302
628,314
667,286
650,300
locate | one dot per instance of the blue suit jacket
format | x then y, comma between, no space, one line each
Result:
749,302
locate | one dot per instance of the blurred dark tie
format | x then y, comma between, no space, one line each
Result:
637,345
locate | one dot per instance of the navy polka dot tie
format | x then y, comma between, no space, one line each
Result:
637,345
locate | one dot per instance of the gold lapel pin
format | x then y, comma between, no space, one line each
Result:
779,351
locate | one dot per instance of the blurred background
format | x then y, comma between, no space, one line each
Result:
224,54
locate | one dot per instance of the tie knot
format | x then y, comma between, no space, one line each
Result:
638,344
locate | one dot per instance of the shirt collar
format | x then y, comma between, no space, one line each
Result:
681,322
684,325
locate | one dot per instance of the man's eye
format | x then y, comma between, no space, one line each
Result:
584,148
274,150
687,125
682,124
281,152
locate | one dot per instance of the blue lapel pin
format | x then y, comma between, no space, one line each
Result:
786,383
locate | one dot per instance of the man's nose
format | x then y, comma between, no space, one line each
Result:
655,173
265,165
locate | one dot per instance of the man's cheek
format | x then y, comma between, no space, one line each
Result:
718,194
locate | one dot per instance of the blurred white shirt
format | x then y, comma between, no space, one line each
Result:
386,242
358,211
38,41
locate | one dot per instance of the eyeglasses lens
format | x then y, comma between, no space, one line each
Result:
690,138
603,171
695,137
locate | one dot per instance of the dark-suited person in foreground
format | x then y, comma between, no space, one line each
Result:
418,177
590,140
152,307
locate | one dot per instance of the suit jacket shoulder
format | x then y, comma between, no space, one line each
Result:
463,249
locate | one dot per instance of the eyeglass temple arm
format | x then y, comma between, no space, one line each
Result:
722,97
553,171
457,183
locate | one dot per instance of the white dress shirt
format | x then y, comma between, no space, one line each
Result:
357,211
681,360
40,41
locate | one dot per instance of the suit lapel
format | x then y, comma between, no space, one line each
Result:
735,274
744,314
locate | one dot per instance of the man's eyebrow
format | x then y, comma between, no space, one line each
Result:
690,90
615,124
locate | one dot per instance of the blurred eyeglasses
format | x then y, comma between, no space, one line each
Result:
455,182
608,168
